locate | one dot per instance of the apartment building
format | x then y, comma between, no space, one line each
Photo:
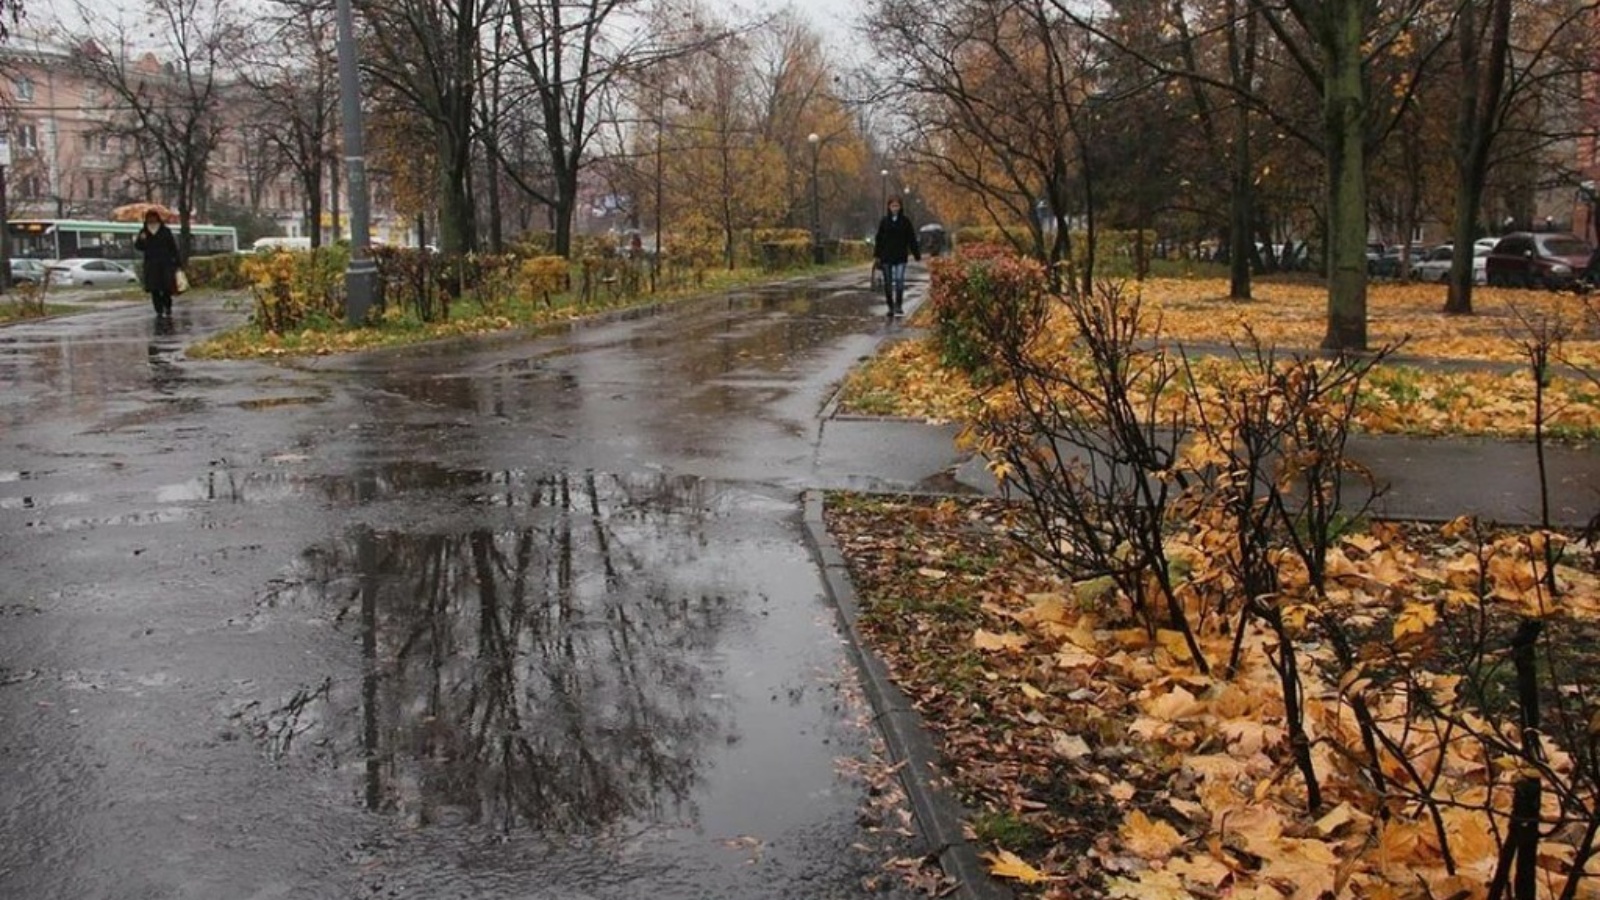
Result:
1586,212
67,161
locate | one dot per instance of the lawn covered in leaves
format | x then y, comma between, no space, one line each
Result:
1100,764
1452,375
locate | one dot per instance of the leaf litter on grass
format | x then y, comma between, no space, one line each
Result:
1138,776
1463,375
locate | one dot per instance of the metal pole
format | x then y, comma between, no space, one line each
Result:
816,206
883,199
661,124
362,276
5,236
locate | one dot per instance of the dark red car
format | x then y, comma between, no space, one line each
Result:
1547,259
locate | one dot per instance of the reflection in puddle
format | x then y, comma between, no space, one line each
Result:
276,402
561,674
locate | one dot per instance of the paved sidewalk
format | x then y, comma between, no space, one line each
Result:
1438,479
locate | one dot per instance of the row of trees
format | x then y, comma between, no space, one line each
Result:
1249,119
497,116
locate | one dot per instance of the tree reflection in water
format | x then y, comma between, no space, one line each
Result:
549,674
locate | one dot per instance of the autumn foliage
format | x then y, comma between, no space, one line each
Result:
1183,661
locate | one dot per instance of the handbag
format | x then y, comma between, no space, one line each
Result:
180,282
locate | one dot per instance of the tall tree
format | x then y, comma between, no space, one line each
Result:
169,99
425,54
1511,61
572,57
295,88
994,102
735,174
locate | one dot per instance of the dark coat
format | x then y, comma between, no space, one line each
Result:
897,239
161,259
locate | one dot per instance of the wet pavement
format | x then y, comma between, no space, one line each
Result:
503,617
507,617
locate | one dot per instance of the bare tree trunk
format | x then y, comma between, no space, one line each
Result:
1241,192
1482,83
1344,110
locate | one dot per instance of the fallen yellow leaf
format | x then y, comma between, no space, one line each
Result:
1415,618
1149,838
1005,864
988,640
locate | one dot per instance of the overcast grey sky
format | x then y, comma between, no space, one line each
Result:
835,19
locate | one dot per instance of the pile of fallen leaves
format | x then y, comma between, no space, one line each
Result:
1473,382
1288,314
1100,763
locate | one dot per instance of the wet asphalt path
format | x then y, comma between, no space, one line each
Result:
506,617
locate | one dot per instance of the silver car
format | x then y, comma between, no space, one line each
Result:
90,272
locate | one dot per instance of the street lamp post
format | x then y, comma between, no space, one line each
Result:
816,208
362,275
883,198
5,218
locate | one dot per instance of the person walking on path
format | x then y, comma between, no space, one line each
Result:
161,262
896,240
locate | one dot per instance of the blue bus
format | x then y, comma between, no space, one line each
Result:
78,238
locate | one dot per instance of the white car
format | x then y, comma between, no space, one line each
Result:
1435,264
90,272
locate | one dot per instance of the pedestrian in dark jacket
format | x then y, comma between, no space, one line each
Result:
896,240
161,262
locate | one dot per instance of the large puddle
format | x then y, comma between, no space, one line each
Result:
609,666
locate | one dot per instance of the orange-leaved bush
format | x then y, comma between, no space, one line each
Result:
983,298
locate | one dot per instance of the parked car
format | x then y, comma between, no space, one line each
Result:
90,272
1388,265
1548,259
1435,264
26,271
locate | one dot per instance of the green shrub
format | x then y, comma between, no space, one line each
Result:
981,299
544,275
790,253
291,289
224,272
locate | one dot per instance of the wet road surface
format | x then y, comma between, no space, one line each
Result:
507,617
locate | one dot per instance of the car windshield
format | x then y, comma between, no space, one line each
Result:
1565,247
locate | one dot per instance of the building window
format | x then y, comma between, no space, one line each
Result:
30,187
22,85
28,137
88,189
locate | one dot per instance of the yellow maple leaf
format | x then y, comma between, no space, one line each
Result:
988,640
1149,885
1149,838
1005,864
1174,705
1366,543
1204,871
1415,619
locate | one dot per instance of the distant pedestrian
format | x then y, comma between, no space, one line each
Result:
161,262
896,240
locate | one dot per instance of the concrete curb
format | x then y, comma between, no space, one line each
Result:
938,813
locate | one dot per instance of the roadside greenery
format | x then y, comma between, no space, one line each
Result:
1451,374
1182,658
298,298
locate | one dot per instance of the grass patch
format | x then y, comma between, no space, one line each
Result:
402,328
1491,397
